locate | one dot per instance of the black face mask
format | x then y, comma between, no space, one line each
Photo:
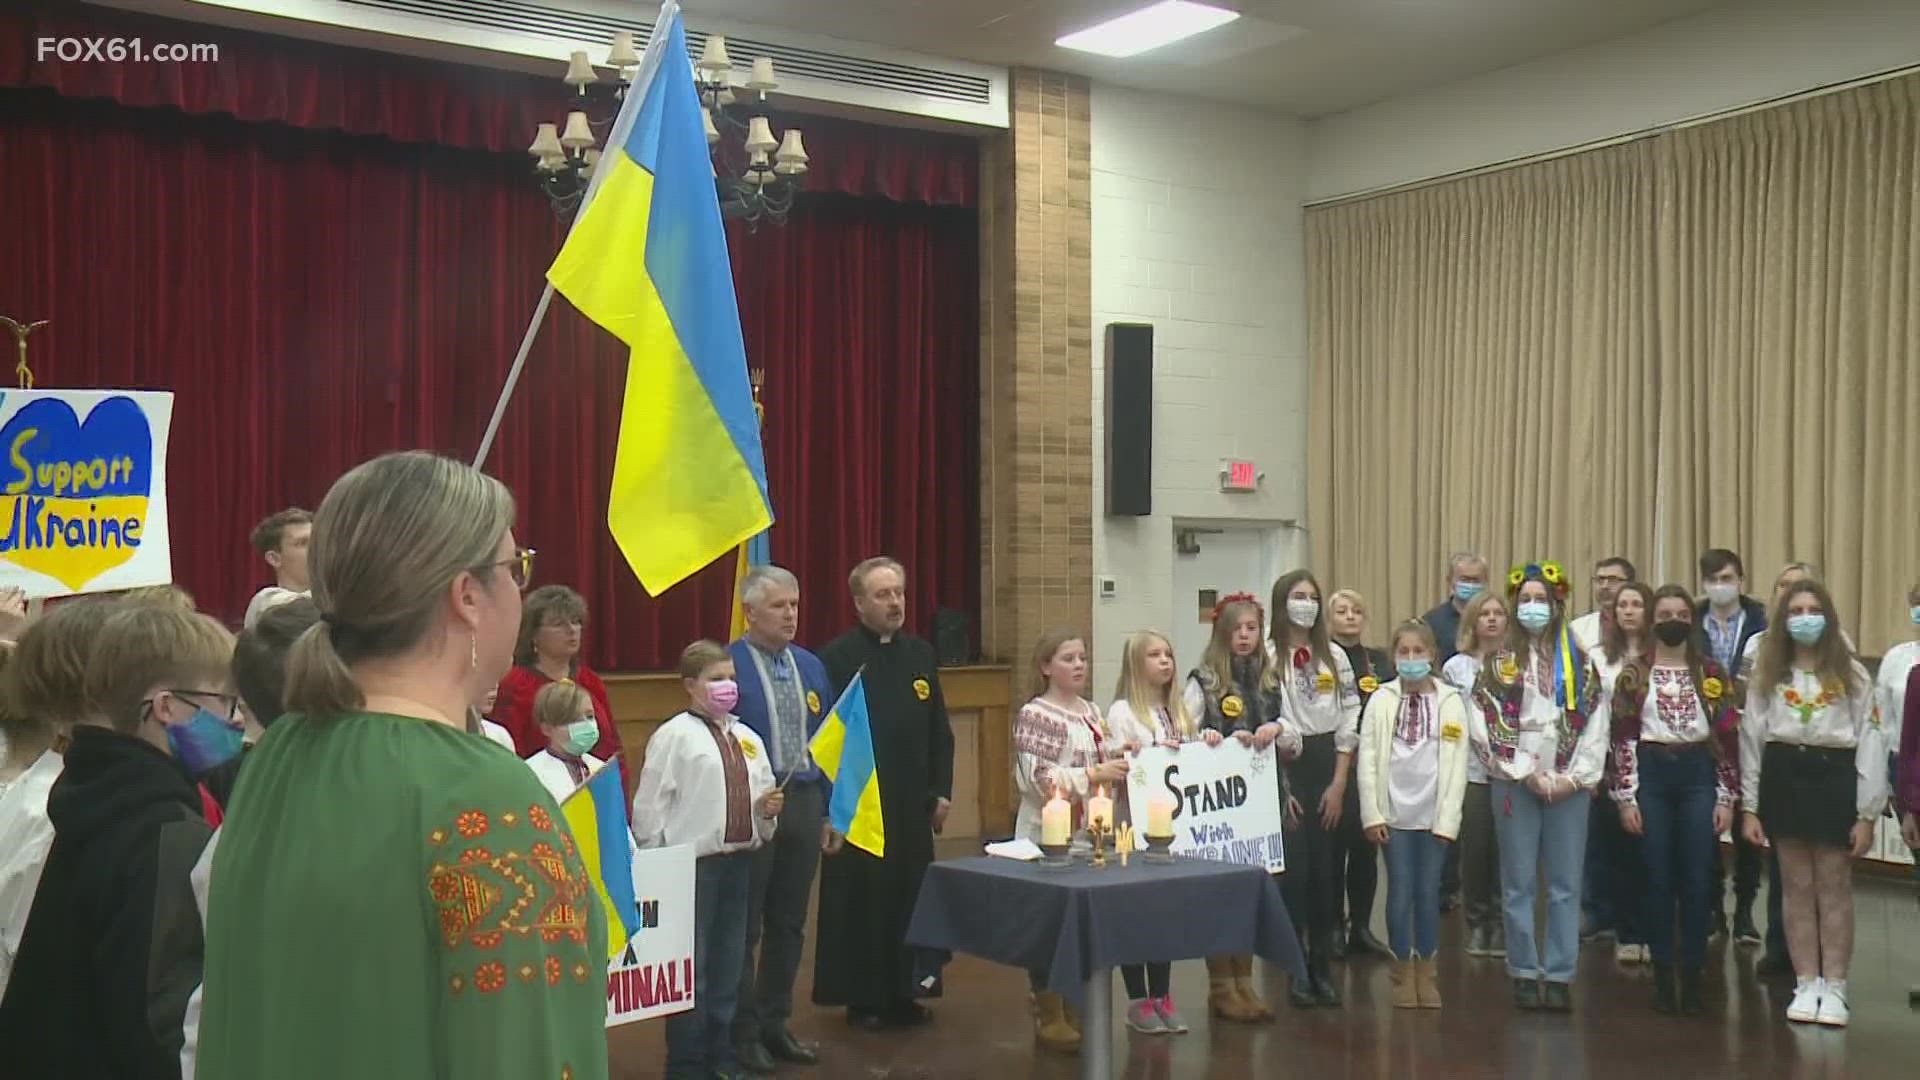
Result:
1672,632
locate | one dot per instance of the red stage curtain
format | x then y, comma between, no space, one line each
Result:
270,79
314,299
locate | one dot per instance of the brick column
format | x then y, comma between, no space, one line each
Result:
1036,388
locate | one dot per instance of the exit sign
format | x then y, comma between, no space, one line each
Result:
1239,476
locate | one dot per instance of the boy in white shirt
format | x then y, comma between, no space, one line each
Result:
707,783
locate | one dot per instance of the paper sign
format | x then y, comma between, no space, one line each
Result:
654,977
83,490
1226,800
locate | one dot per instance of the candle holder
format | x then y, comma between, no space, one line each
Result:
1159,850
1098,832
1056,856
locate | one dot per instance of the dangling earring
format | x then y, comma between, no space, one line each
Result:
474,653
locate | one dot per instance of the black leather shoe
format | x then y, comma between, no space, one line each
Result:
1557,997
753,1057
1665,998
1325,993
1526,993
1361,942
1773,964
909,1014
1339,948
1300,994
782,1046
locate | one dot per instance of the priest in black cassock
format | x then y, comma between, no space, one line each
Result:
861,958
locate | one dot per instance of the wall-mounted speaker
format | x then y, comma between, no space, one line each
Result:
1129,397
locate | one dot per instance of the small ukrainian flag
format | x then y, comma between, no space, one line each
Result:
843,748
596,813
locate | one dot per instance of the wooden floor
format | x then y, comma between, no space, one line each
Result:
981,1027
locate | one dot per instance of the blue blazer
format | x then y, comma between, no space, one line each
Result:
753,708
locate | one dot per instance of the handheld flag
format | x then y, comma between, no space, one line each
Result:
647,261
843,748
597,814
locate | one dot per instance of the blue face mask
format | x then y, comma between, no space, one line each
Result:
1415,669
1465,591
582,735
1534,615
1915,613
1807,629
203,742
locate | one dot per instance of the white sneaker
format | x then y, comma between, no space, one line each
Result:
1805,1007
1833,1006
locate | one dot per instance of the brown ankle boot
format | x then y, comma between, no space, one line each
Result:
1256,1009
1050,1028
1426,982
1406,994
1223,999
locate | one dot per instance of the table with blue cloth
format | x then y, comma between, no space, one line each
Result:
1078,923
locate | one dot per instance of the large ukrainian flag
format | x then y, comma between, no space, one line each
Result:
596,813
647,260
843,748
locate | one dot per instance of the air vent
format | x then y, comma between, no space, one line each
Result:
597,30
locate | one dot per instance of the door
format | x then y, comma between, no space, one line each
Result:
1215,560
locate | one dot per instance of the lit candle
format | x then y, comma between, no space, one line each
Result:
1099,810
1056,822
1160,817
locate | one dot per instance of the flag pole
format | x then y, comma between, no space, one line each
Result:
622,124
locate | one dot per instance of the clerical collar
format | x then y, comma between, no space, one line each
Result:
875,635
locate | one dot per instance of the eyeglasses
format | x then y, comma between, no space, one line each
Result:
225,707
519,567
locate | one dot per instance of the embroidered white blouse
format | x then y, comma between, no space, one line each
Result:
1802,712
1052,749
1538,743
682,797
1462,671
1891,685
1318,700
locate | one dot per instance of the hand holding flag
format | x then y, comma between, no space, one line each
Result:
843,748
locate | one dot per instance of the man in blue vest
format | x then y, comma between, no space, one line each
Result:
784,694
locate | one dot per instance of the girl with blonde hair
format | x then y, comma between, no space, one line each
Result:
1146,711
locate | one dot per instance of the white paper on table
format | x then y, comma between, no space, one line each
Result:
1022,849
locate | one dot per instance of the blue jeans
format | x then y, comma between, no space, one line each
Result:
1677,791
700,1042
1414,861
1538,837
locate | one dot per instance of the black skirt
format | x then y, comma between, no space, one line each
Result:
1808,793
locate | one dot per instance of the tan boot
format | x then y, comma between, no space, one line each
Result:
1050,1028
1405,980
1426,982
1223,1000
1243,986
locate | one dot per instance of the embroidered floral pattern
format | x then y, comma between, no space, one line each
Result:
488,897
1829,693
490,976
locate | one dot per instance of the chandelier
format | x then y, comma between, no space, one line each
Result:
756,175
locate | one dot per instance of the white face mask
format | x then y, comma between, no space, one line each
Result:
1303,613
1722,594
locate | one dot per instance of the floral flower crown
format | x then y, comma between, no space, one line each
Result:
1548,572
1239,598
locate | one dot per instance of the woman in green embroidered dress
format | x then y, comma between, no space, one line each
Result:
390,895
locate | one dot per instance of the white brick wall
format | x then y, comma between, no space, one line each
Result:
1197,231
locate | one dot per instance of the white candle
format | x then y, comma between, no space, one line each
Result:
1099,810
1056,822
1160,817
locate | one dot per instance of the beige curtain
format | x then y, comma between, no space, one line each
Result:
1703,339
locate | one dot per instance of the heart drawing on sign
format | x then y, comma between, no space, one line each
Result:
73,496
